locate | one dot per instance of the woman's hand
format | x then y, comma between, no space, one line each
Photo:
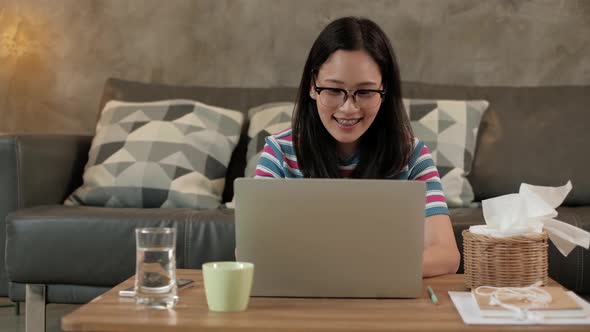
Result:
441,255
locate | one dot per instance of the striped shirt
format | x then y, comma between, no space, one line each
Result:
278,160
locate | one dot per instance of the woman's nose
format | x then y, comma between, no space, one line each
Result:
349,105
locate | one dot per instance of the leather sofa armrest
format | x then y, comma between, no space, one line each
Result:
37,170
40,169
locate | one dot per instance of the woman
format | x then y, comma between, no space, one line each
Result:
350,122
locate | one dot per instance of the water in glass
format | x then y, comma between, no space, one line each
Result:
155,278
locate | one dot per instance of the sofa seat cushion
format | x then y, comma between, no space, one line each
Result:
572,271
96,246
72,294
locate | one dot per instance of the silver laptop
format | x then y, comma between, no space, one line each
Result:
331,237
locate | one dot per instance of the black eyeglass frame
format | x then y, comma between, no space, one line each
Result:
319,89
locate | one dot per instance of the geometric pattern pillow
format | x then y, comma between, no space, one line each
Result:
267,119
164,154
449,129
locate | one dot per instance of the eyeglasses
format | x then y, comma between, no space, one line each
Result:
336,97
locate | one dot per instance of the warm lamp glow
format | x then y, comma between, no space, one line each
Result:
12,44
15,42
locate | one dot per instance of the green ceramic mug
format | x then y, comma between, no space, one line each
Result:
228,285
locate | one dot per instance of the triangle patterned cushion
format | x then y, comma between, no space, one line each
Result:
448,127
265,120
164,154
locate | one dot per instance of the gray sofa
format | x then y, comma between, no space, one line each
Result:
528,134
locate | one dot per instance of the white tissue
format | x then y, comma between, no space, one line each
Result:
532,210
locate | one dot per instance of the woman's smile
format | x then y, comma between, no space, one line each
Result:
347,123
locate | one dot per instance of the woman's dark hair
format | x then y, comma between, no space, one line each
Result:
386,146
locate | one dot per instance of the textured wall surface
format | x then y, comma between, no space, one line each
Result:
55,55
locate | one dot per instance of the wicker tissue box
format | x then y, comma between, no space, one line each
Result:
514,261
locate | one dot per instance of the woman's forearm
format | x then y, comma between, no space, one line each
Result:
440,260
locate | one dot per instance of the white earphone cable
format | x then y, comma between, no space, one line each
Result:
534,297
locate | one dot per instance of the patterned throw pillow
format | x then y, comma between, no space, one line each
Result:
265,120
449,129
167,154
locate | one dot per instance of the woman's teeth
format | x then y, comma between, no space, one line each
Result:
348,123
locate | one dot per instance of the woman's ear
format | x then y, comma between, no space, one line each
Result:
312,92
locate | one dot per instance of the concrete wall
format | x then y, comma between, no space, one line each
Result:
55,55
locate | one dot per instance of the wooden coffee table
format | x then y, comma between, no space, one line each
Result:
109,312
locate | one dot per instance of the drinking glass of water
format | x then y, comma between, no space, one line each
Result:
155,269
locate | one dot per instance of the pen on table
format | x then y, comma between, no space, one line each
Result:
433,297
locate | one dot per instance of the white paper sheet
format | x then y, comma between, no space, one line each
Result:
469,311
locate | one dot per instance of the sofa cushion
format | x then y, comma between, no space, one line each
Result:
72,294
449,129
265,120
241,99
159,154
95,246
535,135
572,271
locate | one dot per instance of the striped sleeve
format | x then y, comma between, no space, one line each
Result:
422,168
270,163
